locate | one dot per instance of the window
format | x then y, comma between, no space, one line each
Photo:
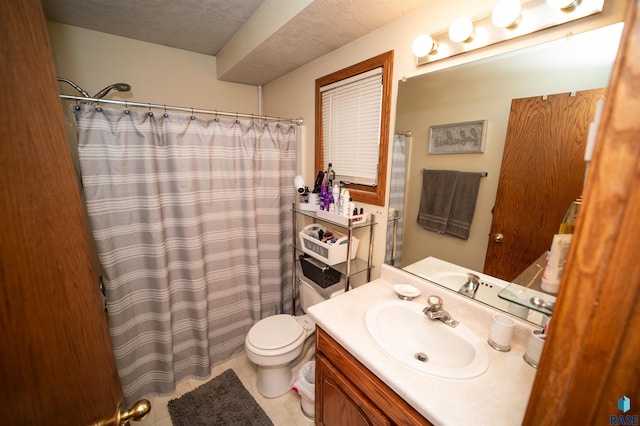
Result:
352,126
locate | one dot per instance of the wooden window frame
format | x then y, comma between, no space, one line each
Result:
366,194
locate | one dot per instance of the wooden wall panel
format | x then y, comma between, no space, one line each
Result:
592,356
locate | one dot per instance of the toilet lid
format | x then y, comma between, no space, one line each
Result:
275,332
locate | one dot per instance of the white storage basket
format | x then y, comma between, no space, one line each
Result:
329,253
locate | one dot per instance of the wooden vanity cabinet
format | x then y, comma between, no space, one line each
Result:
347,393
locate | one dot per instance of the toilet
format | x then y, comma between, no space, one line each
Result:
273,343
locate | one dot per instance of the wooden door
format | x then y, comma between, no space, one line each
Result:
57,365
542,172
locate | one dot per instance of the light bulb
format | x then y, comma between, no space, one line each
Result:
461,30
506,13
423,45
563,4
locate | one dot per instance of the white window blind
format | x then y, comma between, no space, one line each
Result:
351,114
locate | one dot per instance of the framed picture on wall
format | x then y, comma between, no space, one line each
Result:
458,138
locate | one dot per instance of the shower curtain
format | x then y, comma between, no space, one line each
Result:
192,224
396,195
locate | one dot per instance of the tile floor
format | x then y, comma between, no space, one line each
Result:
284,410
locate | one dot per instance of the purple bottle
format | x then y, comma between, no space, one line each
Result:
323,198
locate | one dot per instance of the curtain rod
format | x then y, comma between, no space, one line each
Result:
482,174
296,121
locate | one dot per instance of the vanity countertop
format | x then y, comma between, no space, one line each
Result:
497,397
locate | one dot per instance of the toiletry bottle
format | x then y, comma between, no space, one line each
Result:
344,202
336,194
569,220
556,260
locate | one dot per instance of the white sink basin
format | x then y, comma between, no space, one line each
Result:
487,291
451,280
407,335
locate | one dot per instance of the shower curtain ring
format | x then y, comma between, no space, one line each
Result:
165,111
126,107
150,113
193,117
216,119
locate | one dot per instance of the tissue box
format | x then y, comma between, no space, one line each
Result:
321,274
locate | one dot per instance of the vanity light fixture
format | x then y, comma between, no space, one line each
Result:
424,45
461,30
509,19
507,14
563,4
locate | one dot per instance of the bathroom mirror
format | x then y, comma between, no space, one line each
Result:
483,90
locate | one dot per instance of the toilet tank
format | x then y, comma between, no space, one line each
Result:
311,294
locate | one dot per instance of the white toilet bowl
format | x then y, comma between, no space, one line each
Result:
273,343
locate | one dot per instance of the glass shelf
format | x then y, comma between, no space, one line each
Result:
393,261
357,265
528,285
312,214
522,296
348,268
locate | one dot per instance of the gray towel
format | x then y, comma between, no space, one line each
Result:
438,187
448,201
464,204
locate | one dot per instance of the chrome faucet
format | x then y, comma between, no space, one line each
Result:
470,288
435,312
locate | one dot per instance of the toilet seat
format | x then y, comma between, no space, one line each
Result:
275,332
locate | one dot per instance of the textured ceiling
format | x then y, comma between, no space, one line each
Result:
207,26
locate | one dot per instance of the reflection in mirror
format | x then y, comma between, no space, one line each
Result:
484,90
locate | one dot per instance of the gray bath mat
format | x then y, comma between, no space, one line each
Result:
221,401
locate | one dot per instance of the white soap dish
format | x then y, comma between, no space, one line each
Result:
406,291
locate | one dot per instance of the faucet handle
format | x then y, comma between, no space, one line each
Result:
473,278
435,303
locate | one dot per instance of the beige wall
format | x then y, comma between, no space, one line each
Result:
293,94
170,76
157,74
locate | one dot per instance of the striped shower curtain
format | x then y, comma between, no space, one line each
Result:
396,197
192,224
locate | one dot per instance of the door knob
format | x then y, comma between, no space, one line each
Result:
137,411
122,416
498,238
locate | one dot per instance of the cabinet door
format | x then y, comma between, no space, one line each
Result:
339,402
